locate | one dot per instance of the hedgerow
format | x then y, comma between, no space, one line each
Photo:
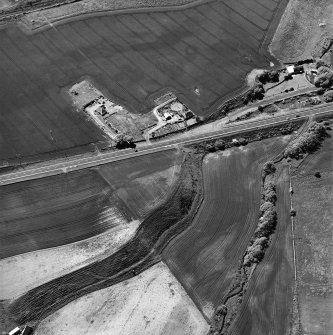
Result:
307,142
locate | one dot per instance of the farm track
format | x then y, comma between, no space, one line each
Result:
223,226
130,56
134,257
266,304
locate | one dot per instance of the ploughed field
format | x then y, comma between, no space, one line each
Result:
267,303
57,210
205,257
129,57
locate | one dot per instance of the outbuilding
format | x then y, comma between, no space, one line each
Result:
290,69
299,69
27,330
15,331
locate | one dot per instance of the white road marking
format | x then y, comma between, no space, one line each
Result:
82,163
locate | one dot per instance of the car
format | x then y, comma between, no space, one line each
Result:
297,115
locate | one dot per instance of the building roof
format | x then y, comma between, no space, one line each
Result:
290,69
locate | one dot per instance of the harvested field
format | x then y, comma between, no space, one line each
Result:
313,230
210,46
57,210
267,302
141,252
205,257
151,303
39,267
299,35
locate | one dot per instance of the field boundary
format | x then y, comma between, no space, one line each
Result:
107,12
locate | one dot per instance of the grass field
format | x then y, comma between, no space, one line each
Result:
205,257
299,35
57,210
129,56
314,248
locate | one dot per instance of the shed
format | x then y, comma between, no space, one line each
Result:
290,69
27,330
299,69
15,331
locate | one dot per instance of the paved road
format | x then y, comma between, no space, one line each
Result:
73,164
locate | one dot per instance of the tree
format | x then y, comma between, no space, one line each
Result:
328,96
220,145
124,141
269,168
266,206
307,142
273,76
210,147
270,192
324,78
323,70
259,92
320,63
268,77
292,212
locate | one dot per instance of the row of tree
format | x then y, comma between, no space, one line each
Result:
267,221
124,141
324,77
307,142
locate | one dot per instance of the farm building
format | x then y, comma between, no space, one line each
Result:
27,330
295,69
15,331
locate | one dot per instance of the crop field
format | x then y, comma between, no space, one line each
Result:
130,56
205,257
266,307
313,230
57,210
